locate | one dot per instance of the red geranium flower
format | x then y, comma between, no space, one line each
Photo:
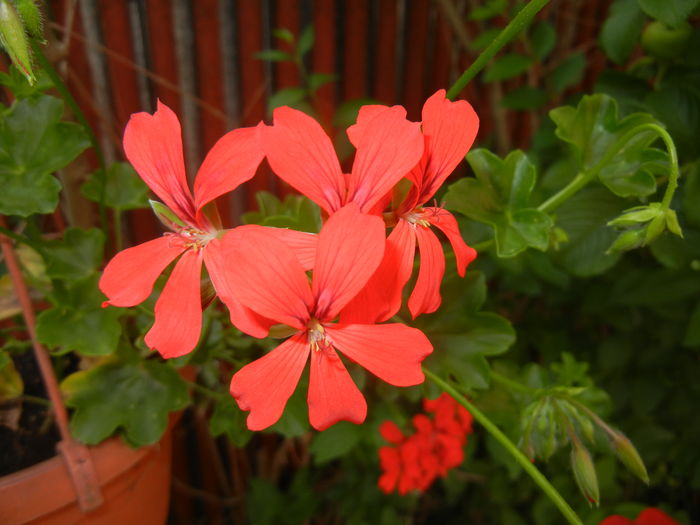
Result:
449,129
650,516
153,145
416,461
269,280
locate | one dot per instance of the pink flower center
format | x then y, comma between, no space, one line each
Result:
194,239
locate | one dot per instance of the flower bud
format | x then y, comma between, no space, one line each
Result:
14,40
672,223
628,240
655,228
584,472
627,453
31,16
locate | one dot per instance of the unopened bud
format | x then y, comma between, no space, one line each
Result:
672,223
655,228
584,472
637,215
627,453
628,240
31,16
14,40
165,215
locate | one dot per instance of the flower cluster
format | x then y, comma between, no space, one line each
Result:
650,516
335,289
413,462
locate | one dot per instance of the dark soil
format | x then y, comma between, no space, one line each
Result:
36,436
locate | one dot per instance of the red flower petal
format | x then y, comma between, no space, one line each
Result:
128,278
392,352
391,432
350,247
425,297
231,161
390,461
245,319
380,299
303,244
616,520
447,223
654,516
451,128
302,155
266,276
388,149
332,395
364,116
265,385
153,145
178,309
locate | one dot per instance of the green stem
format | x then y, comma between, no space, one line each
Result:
521,20
522,460
584,177
19,238
36,400
204,390
80,117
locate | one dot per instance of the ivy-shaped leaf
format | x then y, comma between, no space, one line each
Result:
334,442
134,397
230,420
33,145
499,196
122,188
595,131
75,256
78,322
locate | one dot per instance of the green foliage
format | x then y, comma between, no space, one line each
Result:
500,196
543,37
670,12
507,66
296,212
11,383
120,187
35,144
78,322
76,256
133,397
335,442
227,419
621,30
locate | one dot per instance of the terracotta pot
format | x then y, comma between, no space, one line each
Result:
135,485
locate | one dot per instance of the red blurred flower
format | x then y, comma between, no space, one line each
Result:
437,445
650,516
269,280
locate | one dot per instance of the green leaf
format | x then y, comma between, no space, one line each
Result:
670,12
677,105
11,384
334,442
499,196
507,66
621,30
286,97
568,73
33,145
584,217
594,130
78,321
316,80
274,55
543,38
306,40
525,98
483,39
75,256
123,189
295,419
296,212
491,9
632,173
283,34
135,398
230,420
